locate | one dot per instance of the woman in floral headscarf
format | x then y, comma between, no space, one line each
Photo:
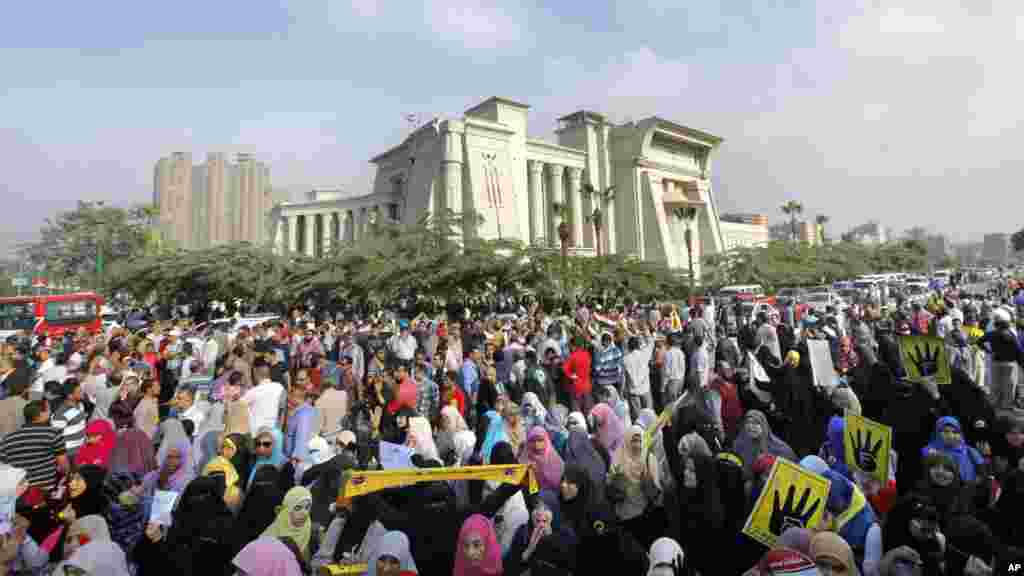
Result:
546,461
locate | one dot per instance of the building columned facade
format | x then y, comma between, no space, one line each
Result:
524,188
213,203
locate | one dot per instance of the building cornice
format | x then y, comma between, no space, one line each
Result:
488,125
642,162
691,135
555,147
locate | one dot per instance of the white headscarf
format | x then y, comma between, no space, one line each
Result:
663,553
577,422
320,450
396,545
419,429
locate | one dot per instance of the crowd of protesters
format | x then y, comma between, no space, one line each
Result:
257,433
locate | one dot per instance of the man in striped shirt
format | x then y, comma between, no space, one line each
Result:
36,447
70,417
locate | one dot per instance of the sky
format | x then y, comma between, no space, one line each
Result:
905,111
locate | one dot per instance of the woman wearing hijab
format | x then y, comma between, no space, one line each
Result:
324,480
756,438
847,359
174,467
222,468
914,523
477,552
262,498
547,463
556,424
206,447
495,433
391,556
666,558
235,448
133,453
456,437
85,488
542,541
100,441
513,512
610,428
200,534
832,553
948,439
534,412
852,515
940,480
171,430
694,509
269,450
88,547
515,428
293,519
267,557
635,481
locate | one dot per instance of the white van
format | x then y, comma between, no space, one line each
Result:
754,290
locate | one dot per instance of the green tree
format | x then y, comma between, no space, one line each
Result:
793,209
82,243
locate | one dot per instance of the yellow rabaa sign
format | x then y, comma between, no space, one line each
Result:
360,483
868,446
792,497
925,357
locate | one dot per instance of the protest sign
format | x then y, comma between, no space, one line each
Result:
792,497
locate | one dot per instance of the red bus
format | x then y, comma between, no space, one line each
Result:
51,315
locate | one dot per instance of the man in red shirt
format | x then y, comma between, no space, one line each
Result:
577,371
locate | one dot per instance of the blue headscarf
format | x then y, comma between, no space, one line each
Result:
276,458
495,433
835,447
966,458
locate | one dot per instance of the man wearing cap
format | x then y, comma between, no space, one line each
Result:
403,345
70,417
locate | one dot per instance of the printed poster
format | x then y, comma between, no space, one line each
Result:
395,456
822,368
792,497
163,505
868,446
925,357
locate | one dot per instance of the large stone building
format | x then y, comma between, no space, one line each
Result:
524,187
213,203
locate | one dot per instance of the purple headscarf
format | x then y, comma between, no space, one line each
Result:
547,462
610,429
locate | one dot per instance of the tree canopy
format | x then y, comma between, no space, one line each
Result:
779,264
427,258
78,244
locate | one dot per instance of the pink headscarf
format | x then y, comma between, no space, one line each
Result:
610,429
547,463
98,453
267,556
490,565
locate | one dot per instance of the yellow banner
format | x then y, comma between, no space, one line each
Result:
868,445
791,497
361,483
925,357
343,569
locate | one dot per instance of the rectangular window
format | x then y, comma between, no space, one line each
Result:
70,311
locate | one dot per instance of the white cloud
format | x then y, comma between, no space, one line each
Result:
476,24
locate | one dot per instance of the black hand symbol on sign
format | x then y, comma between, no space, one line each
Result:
926,359
787,516
864,451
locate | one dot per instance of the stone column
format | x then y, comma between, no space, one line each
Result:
310,235
538,228
555,196
328,231
576,203
451,167
293,234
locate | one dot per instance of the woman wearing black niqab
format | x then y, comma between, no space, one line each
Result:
261,501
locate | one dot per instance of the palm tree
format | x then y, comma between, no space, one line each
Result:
600,199
686,215
821,220
793,209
